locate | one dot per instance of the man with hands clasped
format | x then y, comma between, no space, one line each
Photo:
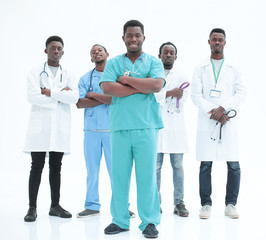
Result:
217,91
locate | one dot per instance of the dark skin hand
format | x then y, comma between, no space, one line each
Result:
93,99
218,114
175,92
223,120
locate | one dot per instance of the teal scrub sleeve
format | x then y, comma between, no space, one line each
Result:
157,70
109,74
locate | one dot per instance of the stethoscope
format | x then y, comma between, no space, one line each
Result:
230,114
91,88
182,86
47,75
126,73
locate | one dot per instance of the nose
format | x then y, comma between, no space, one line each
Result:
133,39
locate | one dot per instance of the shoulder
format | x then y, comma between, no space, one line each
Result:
230,63
86,75
204,62
177,73
36,70
39,67
150,58
116,59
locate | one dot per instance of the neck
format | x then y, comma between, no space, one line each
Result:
53,63
134,55
218,56
100,66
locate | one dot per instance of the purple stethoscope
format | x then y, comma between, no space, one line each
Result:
171,108
182,86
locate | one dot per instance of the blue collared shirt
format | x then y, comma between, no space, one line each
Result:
95,118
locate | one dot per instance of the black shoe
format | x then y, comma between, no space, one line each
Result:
31,215
131,214
181,210
150,231
114,229
58,211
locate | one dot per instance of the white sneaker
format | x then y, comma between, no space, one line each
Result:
205,212
230,211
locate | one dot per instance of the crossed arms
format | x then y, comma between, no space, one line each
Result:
127,85
93,99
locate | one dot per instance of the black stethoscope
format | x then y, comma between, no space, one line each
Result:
230,114
47,75
91,88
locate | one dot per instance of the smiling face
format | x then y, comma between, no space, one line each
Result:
168,56
133,39
217,43
98,54
54,51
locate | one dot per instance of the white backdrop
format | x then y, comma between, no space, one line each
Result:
26,24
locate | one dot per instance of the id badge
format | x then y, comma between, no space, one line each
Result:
215,93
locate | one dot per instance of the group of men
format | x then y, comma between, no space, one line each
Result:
134,111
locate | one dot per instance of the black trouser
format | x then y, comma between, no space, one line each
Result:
37,164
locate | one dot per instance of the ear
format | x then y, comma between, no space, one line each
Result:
159,56
144,38
209,42
175,57
45,50
107,54
63,53
123,37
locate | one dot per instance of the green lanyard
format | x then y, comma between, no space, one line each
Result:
214,73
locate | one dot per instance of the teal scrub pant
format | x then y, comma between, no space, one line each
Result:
140,145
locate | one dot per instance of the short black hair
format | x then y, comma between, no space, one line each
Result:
99,46
167,43
217,30
53,38
133,23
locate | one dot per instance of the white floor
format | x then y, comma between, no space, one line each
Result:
13,207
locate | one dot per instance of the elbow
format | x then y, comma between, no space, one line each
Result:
79,104
158,85
105,88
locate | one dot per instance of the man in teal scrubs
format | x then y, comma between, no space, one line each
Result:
132,79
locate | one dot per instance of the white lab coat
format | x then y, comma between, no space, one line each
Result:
50,120
233,93
173,137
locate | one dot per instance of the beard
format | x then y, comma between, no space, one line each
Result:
99,62
168,65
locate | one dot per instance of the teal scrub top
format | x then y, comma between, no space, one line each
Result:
137,111
95,118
